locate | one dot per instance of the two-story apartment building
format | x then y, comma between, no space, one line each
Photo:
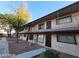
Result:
58,30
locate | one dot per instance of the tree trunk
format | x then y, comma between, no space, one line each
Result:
17,41
10,32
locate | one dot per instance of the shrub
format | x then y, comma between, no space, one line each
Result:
51,54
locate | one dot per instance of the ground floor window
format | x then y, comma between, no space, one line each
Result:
66,39
35,36
24,35
41,38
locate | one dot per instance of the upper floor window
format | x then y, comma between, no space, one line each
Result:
41,26
48,25
64,20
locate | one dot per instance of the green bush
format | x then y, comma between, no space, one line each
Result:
51,54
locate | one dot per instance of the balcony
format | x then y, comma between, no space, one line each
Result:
69,29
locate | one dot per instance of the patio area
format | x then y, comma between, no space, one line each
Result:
21,47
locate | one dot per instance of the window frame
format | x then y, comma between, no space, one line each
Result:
67,42
38,37
63,18
50,25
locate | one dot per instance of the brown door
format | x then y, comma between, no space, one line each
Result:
48,40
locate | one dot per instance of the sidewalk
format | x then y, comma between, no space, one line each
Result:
4,49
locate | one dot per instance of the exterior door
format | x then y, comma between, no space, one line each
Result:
48,40
27,37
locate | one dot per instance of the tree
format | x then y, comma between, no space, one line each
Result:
6,21
21,19
16,20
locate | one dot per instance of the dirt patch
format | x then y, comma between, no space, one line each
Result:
22,46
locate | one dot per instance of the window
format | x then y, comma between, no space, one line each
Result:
31,37
66,39
41,26
41,38
64,20
48,25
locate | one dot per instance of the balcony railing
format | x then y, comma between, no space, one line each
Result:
75,27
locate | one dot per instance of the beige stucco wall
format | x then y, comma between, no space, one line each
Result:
71,49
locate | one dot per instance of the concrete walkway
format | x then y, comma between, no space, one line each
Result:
4,49
31,53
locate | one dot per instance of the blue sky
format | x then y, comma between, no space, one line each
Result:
36,8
